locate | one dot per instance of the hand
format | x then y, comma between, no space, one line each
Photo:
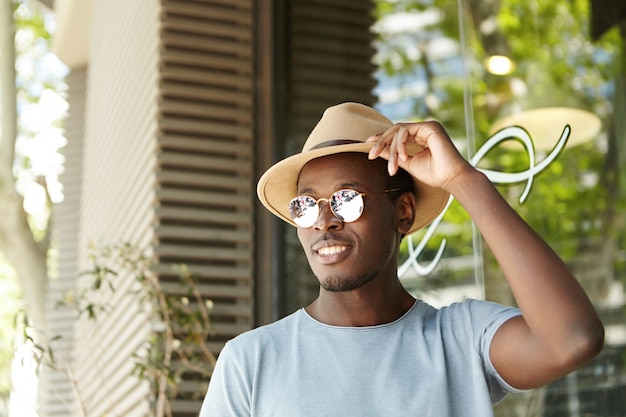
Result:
437,163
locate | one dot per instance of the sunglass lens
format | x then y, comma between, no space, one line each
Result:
304,211
347,205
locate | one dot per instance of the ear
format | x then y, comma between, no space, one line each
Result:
406,212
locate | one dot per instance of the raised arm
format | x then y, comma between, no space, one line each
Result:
559,329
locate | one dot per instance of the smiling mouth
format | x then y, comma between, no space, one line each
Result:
331,250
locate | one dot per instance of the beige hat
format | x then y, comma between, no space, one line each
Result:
342,128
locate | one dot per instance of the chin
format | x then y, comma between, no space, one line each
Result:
344,284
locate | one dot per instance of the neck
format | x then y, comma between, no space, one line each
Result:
369,305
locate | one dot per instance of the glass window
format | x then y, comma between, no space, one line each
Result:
556,69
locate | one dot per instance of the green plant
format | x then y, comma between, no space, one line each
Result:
180,321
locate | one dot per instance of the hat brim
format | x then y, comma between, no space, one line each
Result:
278,185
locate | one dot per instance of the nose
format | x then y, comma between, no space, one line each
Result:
327,219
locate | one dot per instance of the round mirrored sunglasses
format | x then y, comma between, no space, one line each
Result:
346,205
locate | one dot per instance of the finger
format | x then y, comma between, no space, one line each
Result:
376,149
382,140
373,138
403,155
392,162
425,131
396,148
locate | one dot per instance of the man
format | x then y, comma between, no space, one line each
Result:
365,346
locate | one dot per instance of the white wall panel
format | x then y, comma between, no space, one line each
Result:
57,397
117,202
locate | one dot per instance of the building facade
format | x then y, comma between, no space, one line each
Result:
178,106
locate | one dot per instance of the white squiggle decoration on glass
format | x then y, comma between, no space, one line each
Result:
509,133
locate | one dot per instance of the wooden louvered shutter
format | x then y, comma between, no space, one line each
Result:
205,191
328,61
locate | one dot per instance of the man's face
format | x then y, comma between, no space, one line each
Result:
346,256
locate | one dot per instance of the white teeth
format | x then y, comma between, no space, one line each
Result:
331,250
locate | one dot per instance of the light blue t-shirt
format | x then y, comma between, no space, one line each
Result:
429,362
